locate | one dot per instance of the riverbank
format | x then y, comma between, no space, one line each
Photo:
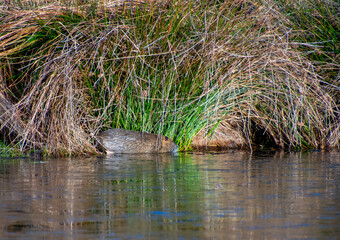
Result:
265,71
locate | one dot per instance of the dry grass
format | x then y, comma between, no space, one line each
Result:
73,70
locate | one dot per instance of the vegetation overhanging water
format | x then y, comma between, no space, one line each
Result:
266,70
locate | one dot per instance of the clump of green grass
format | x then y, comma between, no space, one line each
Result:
174,69
7,151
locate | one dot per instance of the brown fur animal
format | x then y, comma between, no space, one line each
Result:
127,141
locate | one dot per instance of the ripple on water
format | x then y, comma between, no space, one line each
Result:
271,196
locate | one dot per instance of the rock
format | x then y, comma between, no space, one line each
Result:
224,136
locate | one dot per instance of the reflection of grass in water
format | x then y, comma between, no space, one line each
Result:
157,186
184,174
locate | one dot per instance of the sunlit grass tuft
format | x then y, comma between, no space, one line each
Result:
172,68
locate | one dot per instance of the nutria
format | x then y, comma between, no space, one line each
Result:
127,141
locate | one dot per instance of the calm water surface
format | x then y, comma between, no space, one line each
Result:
233,195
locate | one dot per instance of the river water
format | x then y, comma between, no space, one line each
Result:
231,195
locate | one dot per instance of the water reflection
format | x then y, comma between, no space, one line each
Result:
264,195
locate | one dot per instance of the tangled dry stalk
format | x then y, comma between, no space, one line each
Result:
71,71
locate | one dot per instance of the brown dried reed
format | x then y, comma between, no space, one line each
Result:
235,60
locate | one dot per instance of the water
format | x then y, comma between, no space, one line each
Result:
233,195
